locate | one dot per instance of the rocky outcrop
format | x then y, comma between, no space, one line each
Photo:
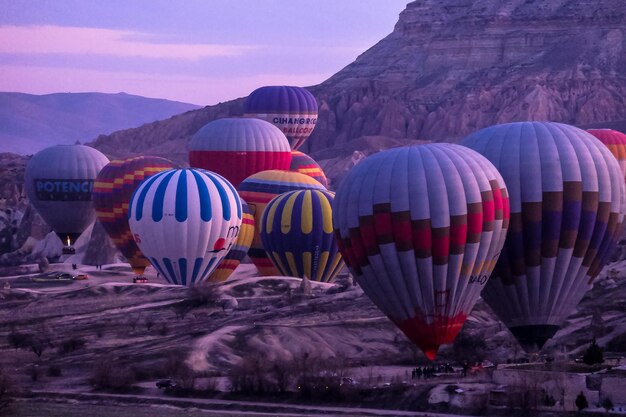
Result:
453,66
100,250
448,68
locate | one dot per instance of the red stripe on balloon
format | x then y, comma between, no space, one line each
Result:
237,166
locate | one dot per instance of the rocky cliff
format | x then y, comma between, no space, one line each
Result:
448,68
451,67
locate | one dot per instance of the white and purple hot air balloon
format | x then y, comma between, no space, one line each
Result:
185,221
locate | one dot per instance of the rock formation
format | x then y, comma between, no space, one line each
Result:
448,68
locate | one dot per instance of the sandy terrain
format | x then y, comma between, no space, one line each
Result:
138,327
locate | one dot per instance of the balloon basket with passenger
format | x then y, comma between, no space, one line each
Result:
68,249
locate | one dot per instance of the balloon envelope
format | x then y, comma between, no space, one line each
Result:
421,228
297,235
304,164
239,147
292,109
258,190
185,221
616,142
239,250
113,189
566,192
59,183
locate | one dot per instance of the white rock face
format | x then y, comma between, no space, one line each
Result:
49,247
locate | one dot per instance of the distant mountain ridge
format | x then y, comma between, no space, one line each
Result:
29,123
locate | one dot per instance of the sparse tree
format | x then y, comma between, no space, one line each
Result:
164,329
607,404
7,389
581,402
177,369
43,264
19,340
593,355
107,373
38,345
149,322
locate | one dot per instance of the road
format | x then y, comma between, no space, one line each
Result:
228,407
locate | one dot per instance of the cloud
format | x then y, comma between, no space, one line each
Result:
202,90
94,41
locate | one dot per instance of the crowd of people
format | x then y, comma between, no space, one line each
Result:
432,371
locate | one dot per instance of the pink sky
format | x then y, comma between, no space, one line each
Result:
198,52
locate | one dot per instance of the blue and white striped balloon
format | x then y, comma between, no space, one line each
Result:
185,221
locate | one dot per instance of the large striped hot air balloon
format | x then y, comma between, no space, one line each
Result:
258,190
239,250
304,164
616,142
297,235
239,147
59,183
113,188
185,221
566,192
421,228
292,109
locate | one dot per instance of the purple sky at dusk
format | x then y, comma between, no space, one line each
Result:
198,51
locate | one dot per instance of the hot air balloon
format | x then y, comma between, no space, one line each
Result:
292,109
615,141
566,192
113,188
421,228
297,235
258,190
59,183
239,250
185,221
239,147
304,164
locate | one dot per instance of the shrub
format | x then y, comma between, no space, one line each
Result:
54,371
7,391
72,344
19,340
177,369
593,354
581,402
109,376
607,404
202,295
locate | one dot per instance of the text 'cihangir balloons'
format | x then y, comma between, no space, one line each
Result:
421,229
566,192
239,147
239,250
59,183
292,109
185,221
113,188
258,190
297,235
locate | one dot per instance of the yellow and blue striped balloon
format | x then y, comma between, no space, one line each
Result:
297,235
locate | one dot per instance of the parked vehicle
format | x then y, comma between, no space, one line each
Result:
64,276
166,384
80,277
140,280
